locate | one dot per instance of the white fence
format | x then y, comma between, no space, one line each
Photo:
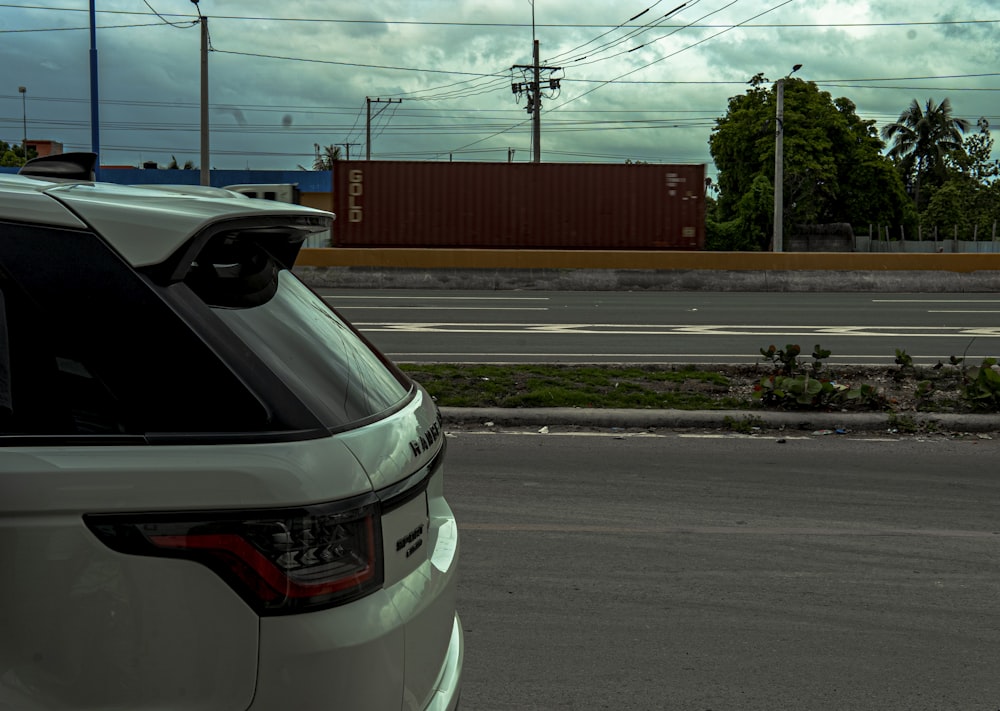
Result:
885,239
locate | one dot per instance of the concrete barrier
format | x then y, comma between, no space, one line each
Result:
649,270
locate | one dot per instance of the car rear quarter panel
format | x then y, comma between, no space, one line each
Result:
85,627
421,587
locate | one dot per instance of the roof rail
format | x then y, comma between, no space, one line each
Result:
66,166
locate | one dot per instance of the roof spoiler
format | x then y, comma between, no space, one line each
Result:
64,166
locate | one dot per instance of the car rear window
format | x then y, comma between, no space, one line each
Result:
316,353
92,350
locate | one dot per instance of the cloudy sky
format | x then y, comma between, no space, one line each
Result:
641,80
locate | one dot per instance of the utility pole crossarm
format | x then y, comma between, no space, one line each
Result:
347,148
368,122
533,89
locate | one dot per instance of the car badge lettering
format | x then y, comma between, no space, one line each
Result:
411,541
426,439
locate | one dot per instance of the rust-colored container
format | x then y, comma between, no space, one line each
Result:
519,205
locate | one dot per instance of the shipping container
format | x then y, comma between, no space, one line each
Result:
519,205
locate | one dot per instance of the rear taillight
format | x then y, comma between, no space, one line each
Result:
279,560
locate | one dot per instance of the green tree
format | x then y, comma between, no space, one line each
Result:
834,170
326,157
974,160
970,198
12,155
949,209
740,145
921,140
188,165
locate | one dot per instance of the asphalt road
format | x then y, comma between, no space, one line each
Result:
669,327
678,572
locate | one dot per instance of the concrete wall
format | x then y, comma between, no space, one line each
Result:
667,271
645,260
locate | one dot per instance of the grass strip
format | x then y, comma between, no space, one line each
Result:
585,386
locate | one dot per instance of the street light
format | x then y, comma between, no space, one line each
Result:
779,160
24,117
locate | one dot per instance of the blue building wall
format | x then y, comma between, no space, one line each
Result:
309,181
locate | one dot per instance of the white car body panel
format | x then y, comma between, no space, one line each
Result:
80,480
89,637
24,199
168,219
86,626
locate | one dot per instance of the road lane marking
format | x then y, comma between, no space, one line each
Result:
621,433
448,308
936,301
605,329
402,356
341,297
723,530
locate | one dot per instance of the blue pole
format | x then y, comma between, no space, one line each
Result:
95,124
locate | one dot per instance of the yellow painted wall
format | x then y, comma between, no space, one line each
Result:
318,201
570,259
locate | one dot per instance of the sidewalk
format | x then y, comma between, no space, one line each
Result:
826,422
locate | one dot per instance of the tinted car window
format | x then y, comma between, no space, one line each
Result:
317,354
95,350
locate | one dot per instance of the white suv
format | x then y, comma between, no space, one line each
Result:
214,492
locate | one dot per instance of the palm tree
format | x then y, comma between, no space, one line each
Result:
921,138
326,159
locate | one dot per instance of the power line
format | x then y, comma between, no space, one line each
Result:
190,23
351,64
661,37
514,25
102,27
634,32
672,54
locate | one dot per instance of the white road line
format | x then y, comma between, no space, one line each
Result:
654,435
679,326
447,308
571,329
341,297
935,301
723,357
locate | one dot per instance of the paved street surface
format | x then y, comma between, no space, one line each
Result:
669,327
698,572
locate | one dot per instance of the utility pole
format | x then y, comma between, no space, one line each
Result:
205,160
779,161
533,89
347,148
24,117
368,122
95,123
779,167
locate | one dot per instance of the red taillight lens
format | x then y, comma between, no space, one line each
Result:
279,560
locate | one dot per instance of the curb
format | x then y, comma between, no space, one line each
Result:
550,279
723,419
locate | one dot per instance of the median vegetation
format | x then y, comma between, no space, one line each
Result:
645,387
783,379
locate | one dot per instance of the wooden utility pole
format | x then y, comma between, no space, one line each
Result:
368,122
347,148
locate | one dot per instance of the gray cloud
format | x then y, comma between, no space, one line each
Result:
454,79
